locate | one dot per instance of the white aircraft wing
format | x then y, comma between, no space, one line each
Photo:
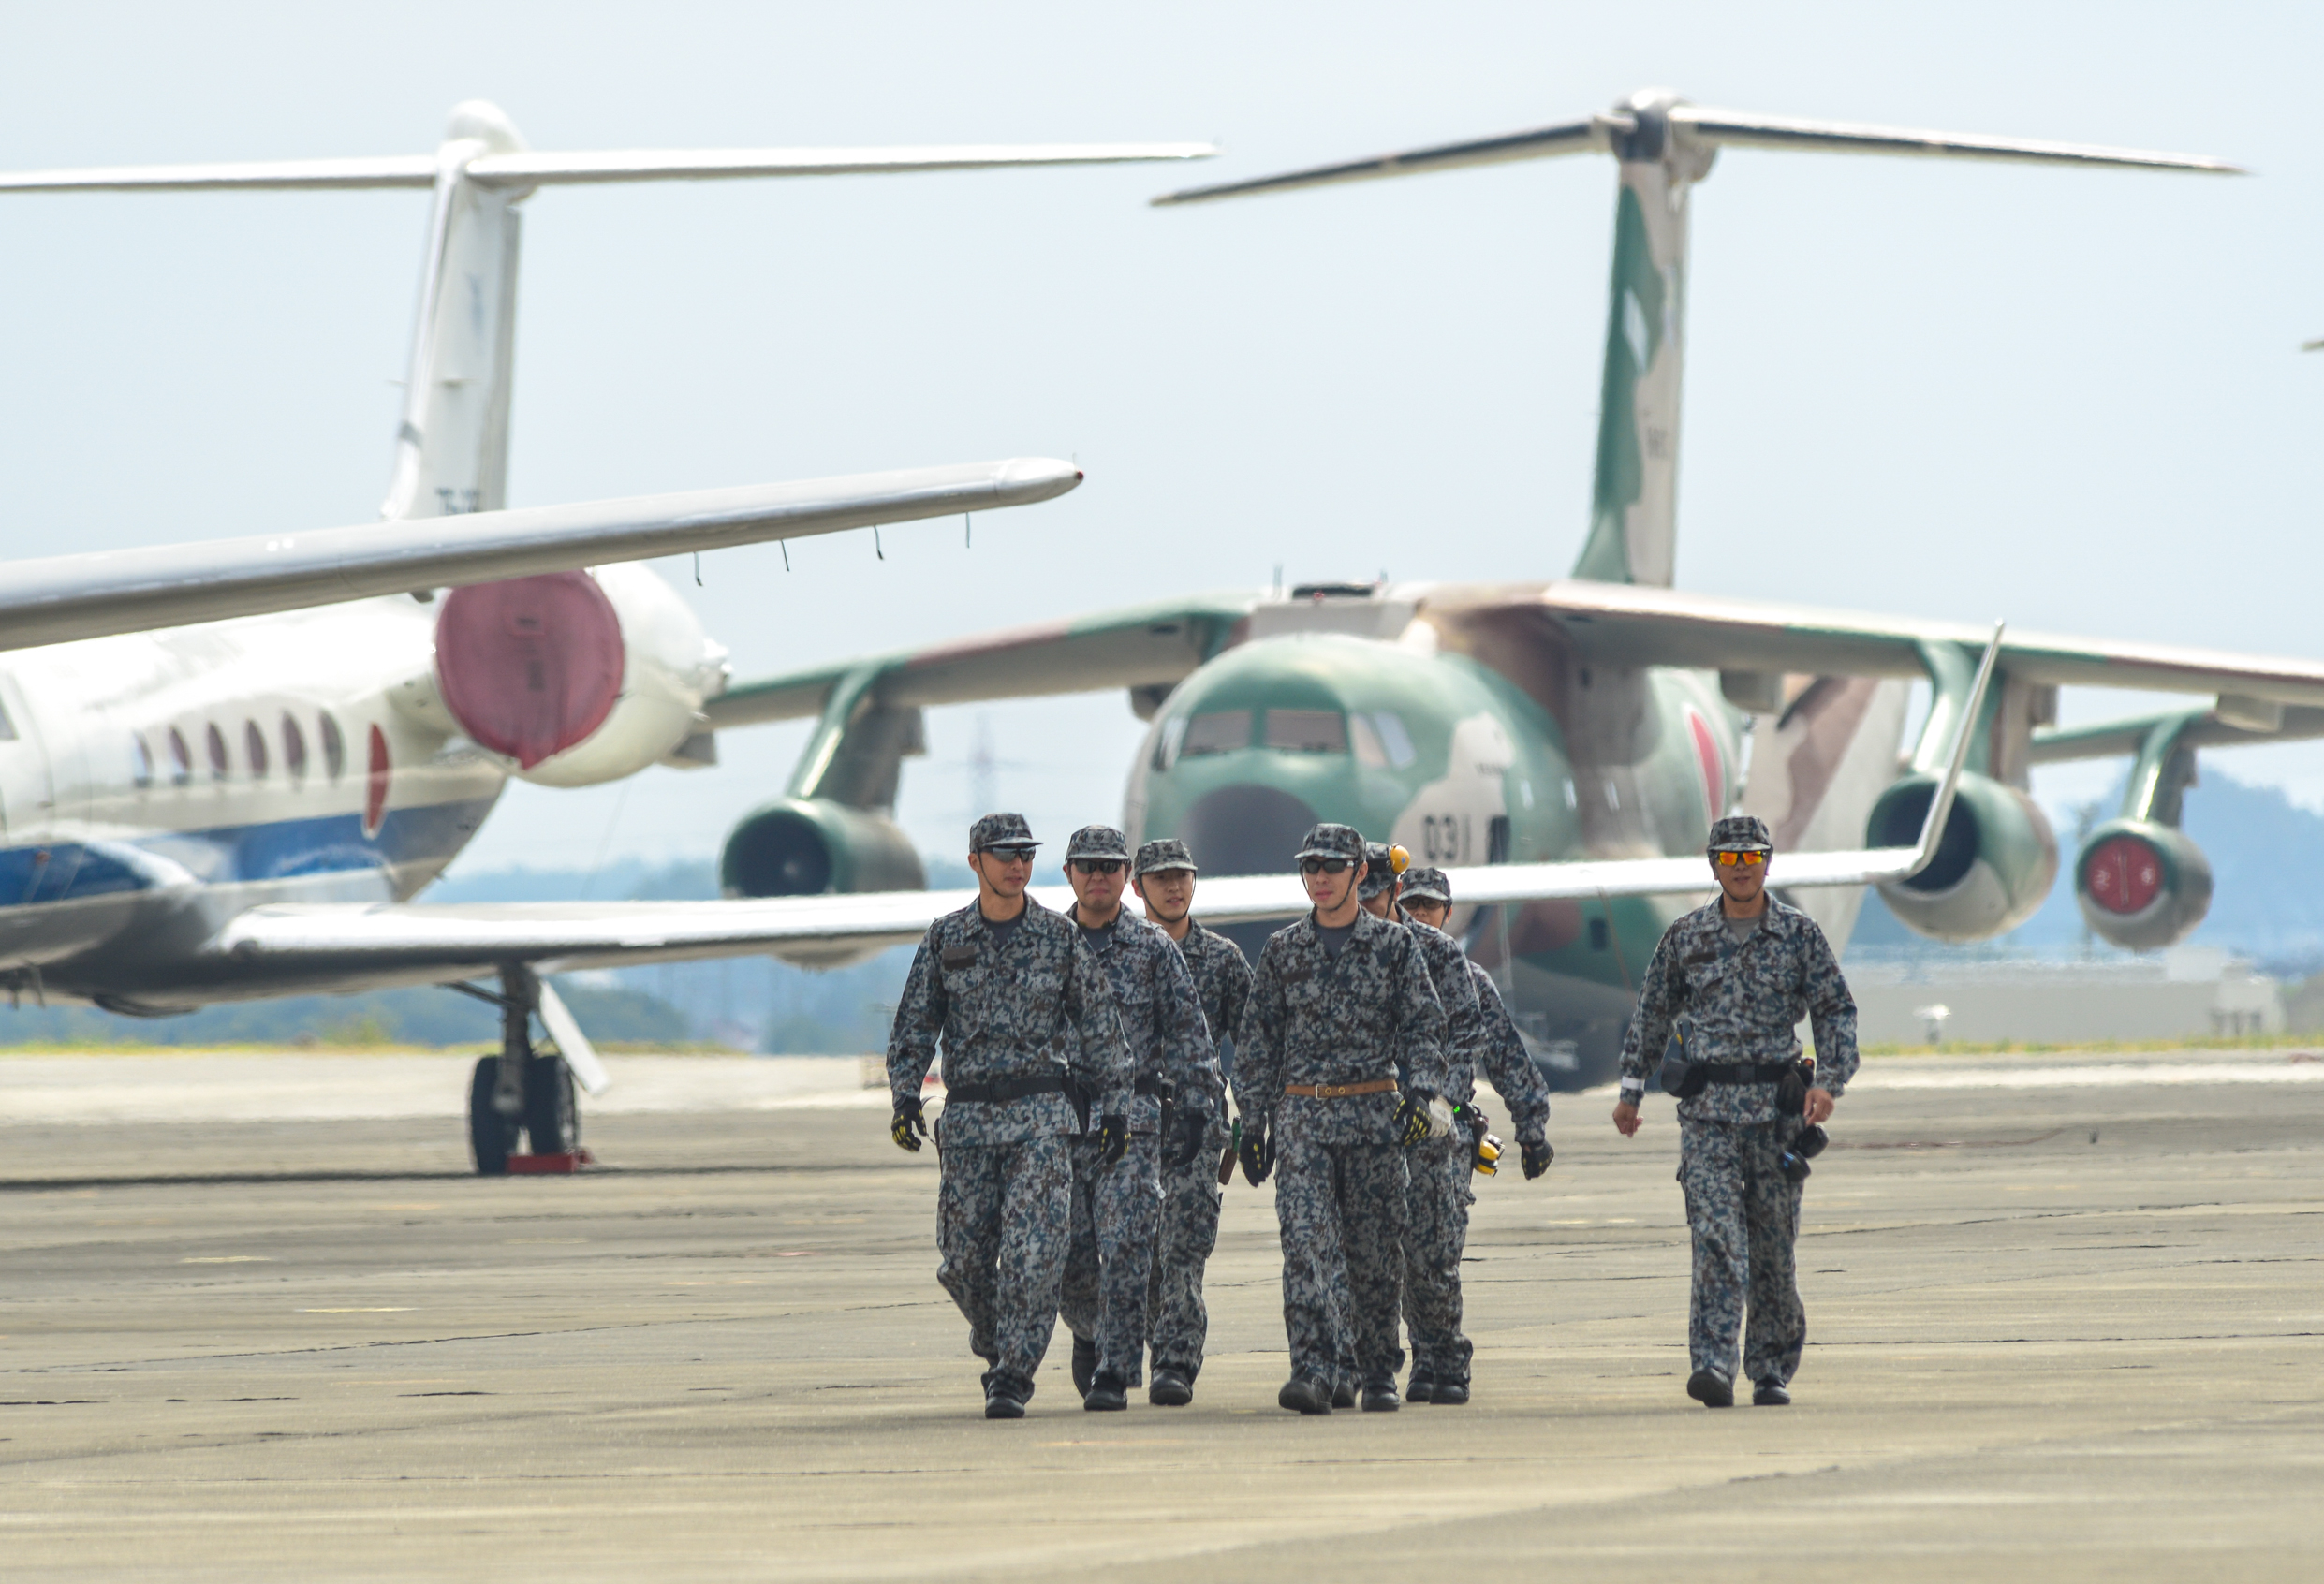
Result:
88,596
342,947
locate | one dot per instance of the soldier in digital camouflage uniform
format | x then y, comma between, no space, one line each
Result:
1011,990
1117,1202
1436,1189
1179,1324
1740,974
1440,1370
1339,1001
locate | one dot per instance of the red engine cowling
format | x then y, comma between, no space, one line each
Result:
531,667
575,678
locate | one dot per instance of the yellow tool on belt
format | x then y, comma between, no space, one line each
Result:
1488,1157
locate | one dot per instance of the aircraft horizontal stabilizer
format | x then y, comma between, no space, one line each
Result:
546,168
1746,130
1644,127
77,596
1541,142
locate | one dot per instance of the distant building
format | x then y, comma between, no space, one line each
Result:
2189,992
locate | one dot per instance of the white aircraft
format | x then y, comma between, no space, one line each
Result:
338,726
241,809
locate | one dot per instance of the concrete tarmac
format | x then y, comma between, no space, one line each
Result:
2065,1329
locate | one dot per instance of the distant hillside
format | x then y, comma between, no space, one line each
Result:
2265,852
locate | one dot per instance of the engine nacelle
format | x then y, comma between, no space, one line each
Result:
1994,864
2141,886
575,678
811,847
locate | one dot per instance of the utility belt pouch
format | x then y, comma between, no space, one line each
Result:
1791,1090
1683,1080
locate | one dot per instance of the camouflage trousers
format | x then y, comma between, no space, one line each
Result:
1189,1232
1111,1259
1003,1215
1341,1209
1435,1230
1744,1215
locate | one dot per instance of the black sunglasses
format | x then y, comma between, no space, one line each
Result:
1326,866
1011,854
1101,866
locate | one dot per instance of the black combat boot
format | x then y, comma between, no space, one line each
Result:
1084,1363
1106,1394
1379,1394
1343,1394
1450,1394
1711,1389
1422,1388
1171,1389
1004,1396
1770,1393
1306,1394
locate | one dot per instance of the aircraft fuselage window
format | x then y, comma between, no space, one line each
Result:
1393,738
294,747
1307,731
253,749
334,746
1220,733
215,741
142,761
1380,740
180,758
1166,745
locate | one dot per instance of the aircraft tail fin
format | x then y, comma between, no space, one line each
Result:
1664,145
451,447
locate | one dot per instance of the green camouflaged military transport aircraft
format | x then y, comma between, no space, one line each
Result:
1582,733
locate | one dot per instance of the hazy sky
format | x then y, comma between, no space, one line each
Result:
2072,399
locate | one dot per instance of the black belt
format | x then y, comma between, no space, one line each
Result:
1746,1072
1157,1087
1006,1088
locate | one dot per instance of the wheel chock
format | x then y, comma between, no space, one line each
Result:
549,1166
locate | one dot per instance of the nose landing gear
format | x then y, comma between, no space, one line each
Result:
519,1089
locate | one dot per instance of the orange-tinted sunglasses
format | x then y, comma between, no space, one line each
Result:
1729,860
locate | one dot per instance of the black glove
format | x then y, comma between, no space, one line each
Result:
908,1130
1192,1125
1412,1117
1259,1148
1113,1139
1538,1155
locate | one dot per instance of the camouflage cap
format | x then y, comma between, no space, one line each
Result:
1427,885
1379,871
1096,841
1000,831
1740,833
1332,842
1166,852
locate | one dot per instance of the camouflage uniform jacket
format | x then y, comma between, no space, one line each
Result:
1465,1023
1744,1004
1507,1068
1161,1018
1222,977
1007,1010
1312,1020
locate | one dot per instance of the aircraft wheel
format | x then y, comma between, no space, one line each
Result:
491,1136
552,1112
